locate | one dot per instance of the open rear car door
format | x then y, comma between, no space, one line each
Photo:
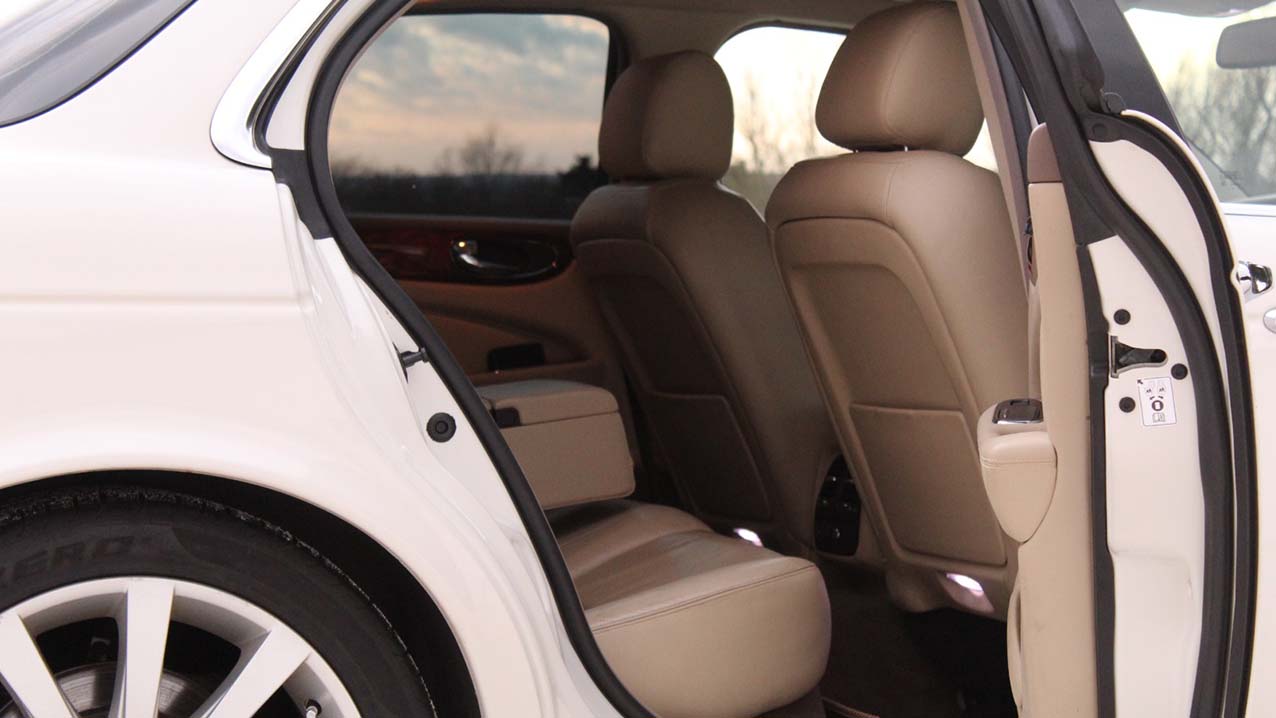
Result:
1132,488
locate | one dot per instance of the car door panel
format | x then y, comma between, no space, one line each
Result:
1149,442
473,250
542,325
467,201
1252,231
1152,458
1052,642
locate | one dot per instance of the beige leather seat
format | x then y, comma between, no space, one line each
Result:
901,265
694,623
683,271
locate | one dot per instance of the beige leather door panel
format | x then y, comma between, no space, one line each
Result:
1039,479
556,313
518,308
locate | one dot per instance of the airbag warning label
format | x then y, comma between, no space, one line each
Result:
1156,399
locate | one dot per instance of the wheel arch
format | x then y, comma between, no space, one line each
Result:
387,583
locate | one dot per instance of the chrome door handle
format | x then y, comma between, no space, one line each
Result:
1255,279
505,261
465,252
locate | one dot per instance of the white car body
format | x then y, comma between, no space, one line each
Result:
277,371
162,308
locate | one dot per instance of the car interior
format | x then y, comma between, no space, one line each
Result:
746,344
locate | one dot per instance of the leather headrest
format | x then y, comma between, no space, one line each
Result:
902,78
668,116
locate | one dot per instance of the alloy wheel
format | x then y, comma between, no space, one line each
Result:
176,649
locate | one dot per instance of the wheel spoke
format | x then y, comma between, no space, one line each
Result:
143,621
25,674
262,669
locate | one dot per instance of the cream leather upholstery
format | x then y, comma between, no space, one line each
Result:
693,622
667,116
902,269
902,78
568,438
684,275
1019,465
696,624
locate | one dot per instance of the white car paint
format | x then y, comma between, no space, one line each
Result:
179,317
174,315
1252,229
1155,531
1155,509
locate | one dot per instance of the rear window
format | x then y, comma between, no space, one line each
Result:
776,73
1218,69
52,49
484,115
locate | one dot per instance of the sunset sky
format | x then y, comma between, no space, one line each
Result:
431,82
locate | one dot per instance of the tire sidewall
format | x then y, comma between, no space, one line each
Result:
69,540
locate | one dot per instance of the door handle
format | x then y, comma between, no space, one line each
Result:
1255,279
465,252
504,260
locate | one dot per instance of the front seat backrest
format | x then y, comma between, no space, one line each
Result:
900,261
683,271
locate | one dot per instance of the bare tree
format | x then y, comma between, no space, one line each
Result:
1231,116
485,154
349,166
756,128
775,140
810,83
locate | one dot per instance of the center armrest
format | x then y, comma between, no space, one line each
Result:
568,438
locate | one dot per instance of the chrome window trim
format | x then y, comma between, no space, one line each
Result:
1256,209
234,126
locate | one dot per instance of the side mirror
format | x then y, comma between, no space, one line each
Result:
1247,44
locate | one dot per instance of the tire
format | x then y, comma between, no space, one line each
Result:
62,539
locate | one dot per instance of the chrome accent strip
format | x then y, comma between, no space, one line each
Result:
1251,209
1258,277
234,126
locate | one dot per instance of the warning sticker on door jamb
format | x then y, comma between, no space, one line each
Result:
1156,399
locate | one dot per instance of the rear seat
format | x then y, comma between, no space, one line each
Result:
694,623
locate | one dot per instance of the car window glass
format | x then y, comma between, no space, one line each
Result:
1221,86
775,74
490,115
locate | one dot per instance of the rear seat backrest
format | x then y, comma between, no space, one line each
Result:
684,275
902,267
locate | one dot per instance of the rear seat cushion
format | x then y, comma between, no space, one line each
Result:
694,623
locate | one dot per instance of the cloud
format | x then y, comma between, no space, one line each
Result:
430,81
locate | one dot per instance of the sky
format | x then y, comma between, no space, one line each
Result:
431,82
